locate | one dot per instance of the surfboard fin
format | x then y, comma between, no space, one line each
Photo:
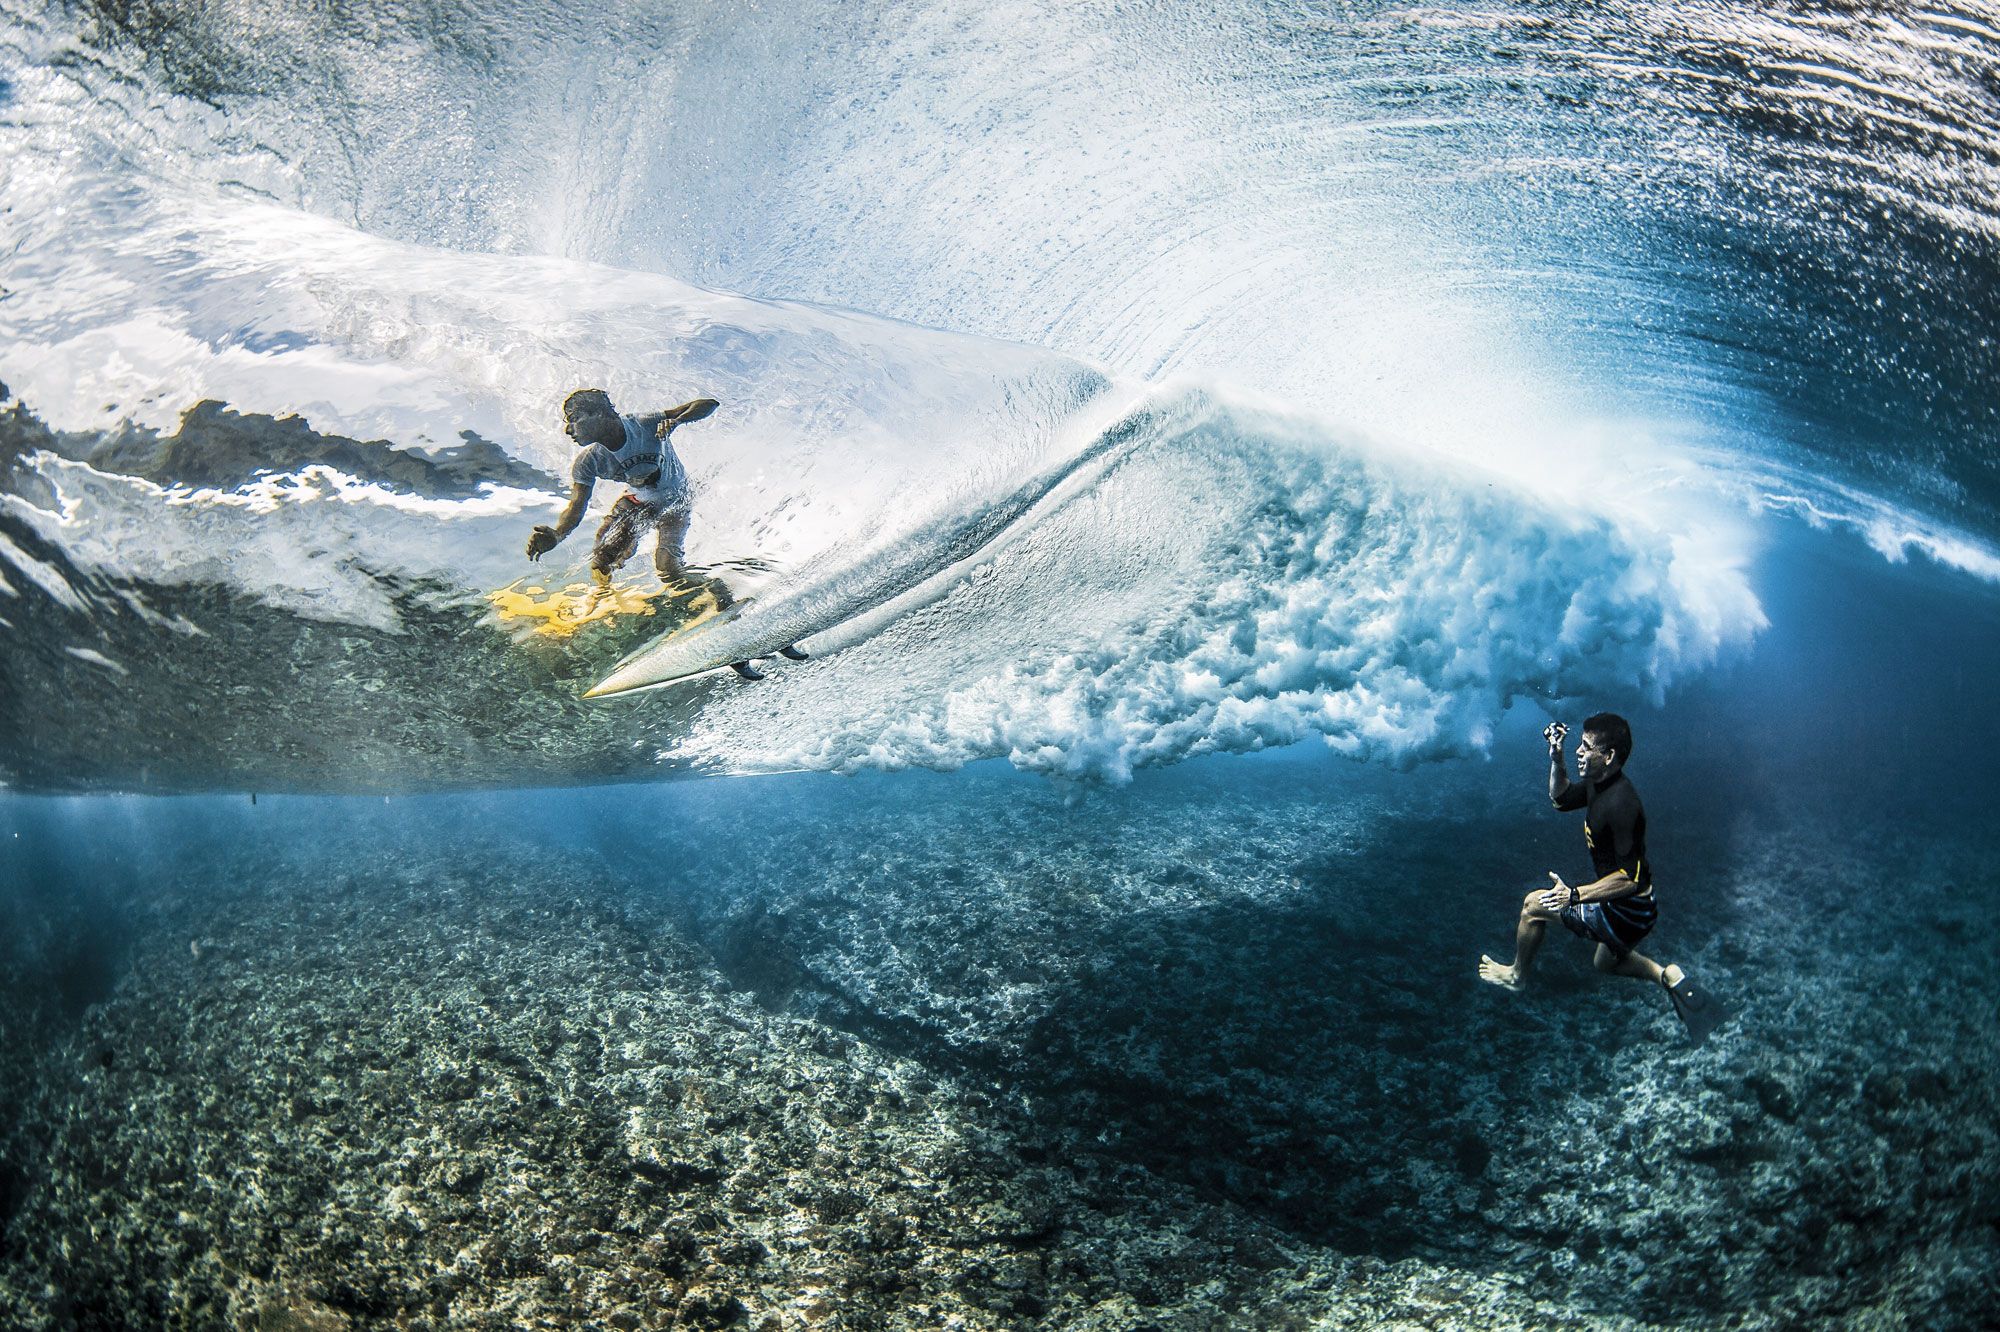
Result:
1698,1010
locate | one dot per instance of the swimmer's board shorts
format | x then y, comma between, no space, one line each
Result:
1618,924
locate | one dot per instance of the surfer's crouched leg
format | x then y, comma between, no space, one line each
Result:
618,535
670,546
600,588
670,560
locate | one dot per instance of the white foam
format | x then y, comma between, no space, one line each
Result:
1248,581
42,575
96,658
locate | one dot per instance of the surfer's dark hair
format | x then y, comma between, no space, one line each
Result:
585,393
1613,730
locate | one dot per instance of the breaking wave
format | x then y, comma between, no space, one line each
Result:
1234,378
1231,579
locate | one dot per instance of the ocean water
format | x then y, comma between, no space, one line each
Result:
1202,447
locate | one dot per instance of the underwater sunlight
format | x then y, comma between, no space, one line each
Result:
697,664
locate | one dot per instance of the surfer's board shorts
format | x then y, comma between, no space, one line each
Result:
1618,924
628,522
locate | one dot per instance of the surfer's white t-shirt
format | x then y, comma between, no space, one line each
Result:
646,464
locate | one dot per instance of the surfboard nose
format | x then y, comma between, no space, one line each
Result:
621,681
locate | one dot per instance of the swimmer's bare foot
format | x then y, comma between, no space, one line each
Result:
1494,974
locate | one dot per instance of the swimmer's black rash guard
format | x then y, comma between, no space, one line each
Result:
1614,828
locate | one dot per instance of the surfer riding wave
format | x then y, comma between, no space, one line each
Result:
638,453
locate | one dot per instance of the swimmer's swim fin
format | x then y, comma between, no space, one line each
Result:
1699,1012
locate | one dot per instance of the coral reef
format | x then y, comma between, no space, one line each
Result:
971,1052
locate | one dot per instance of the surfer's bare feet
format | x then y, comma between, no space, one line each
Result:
1495,974
600,587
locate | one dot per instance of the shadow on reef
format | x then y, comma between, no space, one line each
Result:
1292,1056
1181,1060
1299,1032
64,941
67,939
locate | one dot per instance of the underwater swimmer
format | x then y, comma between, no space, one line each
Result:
635,451
1616,910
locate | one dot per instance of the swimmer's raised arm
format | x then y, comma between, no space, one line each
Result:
1559,783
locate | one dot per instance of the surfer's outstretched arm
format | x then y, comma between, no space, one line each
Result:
545,539
692,410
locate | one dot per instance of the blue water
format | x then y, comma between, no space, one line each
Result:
1201,447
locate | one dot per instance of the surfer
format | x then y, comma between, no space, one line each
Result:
1616,910
634,451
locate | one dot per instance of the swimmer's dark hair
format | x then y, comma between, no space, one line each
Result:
584,393
1613,730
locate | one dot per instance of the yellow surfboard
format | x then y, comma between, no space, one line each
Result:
560,612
